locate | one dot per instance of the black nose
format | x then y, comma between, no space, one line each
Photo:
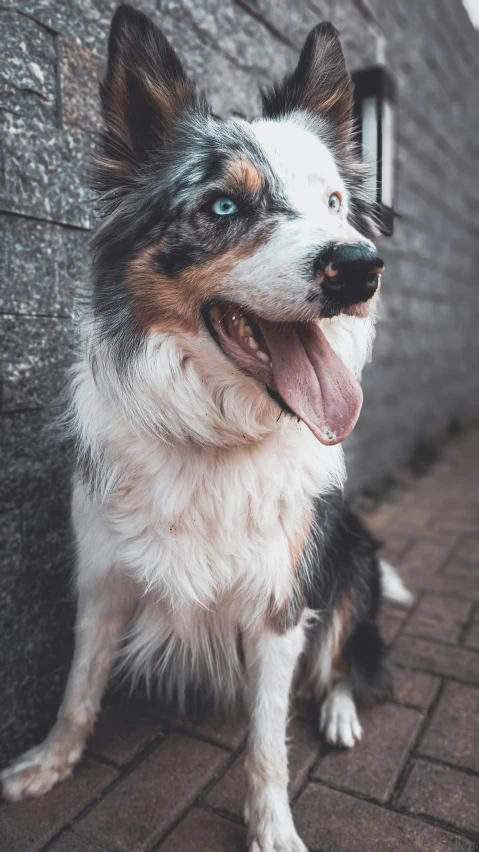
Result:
349,272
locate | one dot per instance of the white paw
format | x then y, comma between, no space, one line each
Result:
293,843
37,771
339,720
272,830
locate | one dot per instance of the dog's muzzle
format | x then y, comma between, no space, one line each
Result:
348,273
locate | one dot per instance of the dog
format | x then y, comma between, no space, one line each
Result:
234,290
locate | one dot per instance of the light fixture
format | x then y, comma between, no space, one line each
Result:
375,114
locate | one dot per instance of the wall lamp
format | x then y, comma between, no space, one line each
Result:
375,103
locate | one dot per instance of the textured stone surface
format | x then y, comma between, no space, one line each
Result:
44,267
372,767
45,172
202,830
79,76
27,79
29,824
443,793
144,805
472,636
70,842
122,731
440,659
439,618
415,688
453,732
36,352
335,822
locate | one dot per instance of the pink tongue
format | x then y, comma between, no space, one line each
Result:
313,380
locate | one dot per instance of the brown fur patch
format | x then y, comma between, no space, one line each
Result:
299,541
168,101
340,626
244,175
164,303
287,615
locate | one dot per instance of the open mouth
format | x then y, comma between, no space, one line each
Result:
296,364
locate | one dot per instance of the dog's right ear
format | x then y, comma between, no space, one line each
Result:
145,89
320,84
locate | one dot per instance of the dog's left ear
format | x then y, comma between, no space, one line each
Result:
320,83
144,90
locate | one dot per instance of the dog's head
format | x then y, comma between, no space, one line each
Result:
244,249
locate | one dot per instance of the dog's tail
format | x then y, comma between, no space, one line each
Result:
392,587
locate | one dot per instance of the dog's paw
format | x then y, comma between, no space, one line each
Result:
339,720
272,829
37,771
292,843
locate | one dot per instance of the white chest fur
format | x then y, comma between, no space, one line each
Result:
194,525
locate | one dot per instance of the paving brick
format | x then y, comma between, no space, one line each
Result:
147,802
468,550
471,638
438,617
390,621
393,546
443,793
201,830
415,519
379,520
415,688
27,825
465,586
461,568
452,732
226,731
424,559
331,821
462,522
460,663
373,766
121,732
229,792
70,842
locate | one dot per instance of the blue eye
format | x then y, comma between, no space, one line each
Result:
224,207
334,202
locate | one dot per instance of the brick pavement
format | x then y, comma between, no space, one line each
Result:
152,783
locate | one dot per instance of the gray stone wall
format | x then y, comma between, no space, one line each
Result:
427,351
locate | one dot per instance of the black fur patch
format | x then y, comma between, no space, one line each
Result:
345,566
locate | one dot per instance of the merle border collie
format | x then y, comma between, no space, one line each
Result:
232,307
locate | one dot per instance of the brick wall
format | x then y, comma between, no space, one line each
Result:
425,365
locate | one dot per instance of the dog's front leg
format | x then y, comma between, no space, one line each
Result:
103,612
270,663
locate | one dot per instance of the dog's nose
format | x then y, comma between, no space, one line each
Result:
349,272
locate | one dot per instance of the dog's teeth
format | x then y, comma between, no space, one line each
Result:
263,356
248,330
251,342
242,324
